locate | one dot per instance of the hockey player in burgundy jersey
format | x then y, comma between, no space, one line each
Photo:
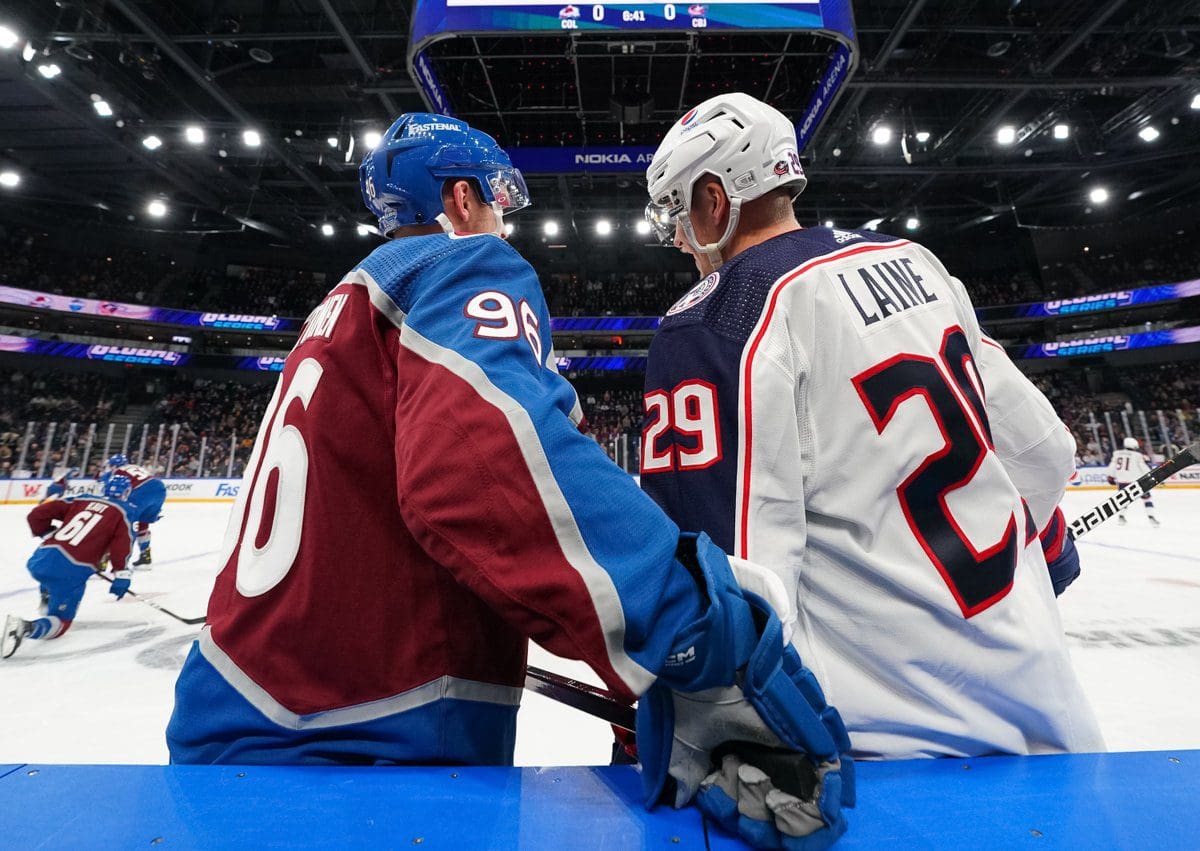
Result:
145,500
420,502
824,403
88,529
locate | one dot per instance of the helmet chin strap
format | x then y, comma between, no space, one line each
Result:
712,251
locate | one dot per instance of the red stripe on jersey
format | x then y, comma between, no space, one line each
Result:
747,395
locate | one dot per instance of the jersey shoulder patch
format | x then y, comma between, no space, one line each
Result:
696,294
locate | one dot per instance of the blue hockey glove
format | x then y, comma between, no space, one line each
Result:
120,585
761,753
1065,569
1062,558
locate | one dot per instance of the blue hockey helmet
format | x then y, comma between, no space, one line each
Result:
118,460
401,178
118,487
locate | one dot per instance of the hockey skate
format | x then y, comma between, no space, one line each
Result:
1154,522
15,630
143,560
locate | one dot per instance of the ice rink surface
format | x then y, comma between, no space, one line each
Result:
103,692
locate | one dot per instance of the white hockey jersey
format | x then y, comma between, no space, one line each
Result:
1128,465
826,405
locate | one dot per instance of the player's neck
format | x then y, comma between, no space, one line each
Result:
747,238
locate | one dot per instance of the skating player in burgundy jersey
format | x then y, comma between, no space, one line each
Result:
78,532
824,403
146,497
420,502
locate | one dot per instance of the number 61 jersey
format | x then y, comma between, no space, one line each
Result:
825,404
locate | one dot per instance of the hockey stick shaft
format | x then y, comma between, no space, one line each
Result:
154,605
1126,495
586,698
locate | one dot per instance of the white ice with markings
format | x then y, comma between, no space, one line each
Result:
103,692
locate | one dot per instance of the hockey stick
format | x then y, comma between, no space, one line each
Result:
154,605
596,702
1125,496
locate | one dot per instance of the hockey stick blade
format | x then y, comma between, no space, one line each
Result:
1112,506
586,698
154,605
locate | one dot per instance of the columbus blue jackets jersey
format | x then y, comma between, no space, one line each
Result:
419,503
826,405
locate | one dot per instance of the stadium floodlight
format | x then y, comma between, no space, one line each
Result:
1099,195
156,208
371,139
603,227
1148,134
912,223
881,135
9,179
152,142
642,227
8,38
1196,102
49,70
1006,135
364,230
332,141
829,223
28,51
194,134
251,138
327,229
102,108
550,227
923,136
1062,131
509,228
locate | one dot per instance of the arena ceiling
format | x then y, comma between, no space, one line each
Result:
310,75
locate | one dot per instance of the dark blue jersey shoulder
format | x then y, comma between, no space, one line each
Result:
691,428
729,302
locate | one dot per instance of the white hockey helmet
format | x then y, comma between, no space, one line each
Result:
1131,443
749,146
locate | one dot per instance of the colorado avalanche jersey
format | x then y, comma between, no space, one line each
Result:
1127,465
825,405
90,527
419,502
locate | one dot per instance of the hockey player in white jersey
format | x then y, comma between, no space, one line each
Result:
824,401
1129,465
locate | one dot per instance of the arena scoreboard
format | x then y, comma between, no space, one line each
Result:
829,22
432,18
